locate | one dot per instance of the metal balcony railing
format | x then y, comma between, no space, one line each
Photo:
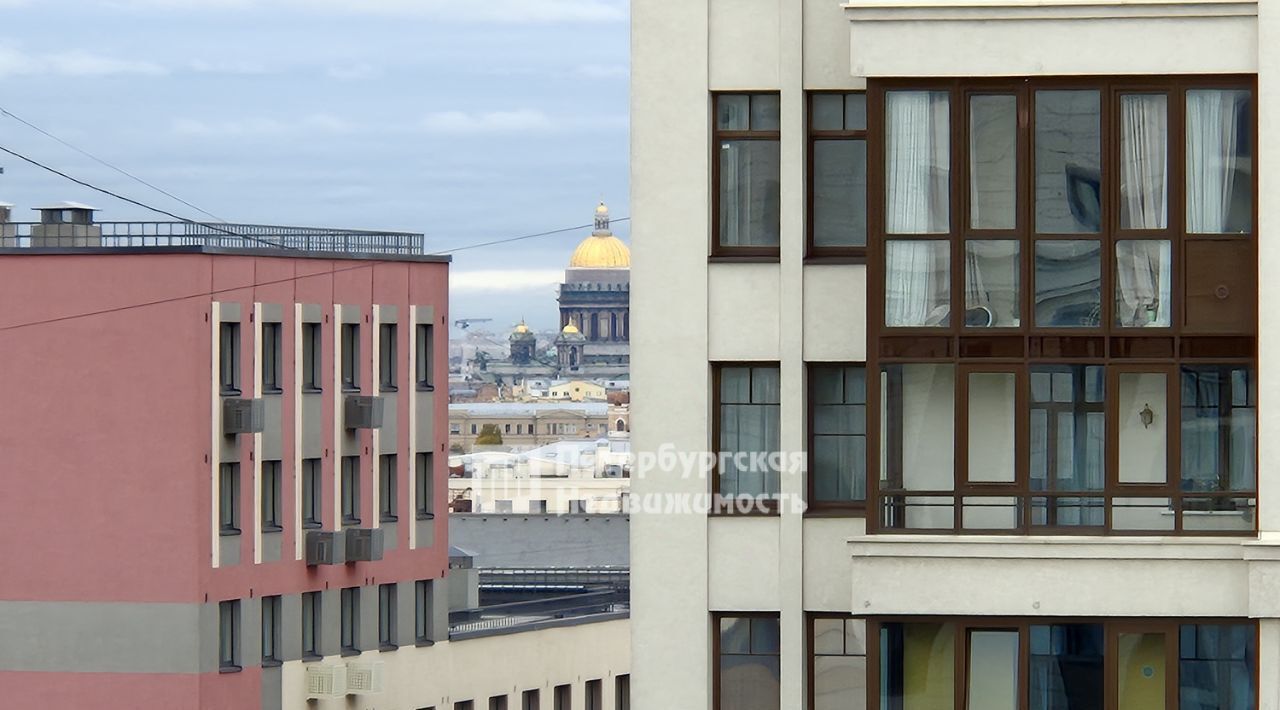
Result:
538,614
219,235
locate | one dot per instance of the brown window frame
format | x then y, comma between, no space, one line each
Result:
716,617
813,506
721,505
721,252
832,254
811,654
1112,627
1019,348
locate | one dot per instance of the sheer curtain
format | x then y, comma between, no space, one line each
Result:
1212,144
916,283
1144,159
917,162
1143,275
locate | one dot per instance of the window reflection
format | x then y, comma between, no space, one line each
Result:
1068,190
1143,283
1068,283
1219,162
992,277
993,161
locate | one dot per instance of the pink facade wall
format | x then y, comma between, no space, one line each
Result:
105,434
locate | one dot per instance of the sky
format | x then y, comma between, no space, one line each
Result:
466,120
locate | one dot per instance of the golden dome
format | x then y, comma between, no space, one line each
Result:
522,328
570,328
601,250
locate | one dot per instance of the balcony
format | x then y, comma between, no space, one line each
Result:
23,235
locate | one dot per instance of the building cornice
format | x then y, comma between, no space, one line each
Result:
989,10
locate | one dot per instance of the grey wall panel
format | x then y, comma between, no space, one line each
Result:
331,626
390,530
406,611
312,313
229,548
229,312
388,314
272,689
368,618
271,434
425,403
207,631
271,543
351,314
251,632
102,637
438,602
312,425
513,539
272,313
427,314
291,627
426,533
388,439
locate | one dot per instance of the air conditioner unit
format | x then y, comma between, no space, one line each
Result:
326,680
364,544
241,416
325,547
362,412
364,677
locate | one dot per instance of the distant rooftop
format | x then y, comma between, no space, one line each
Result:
526,409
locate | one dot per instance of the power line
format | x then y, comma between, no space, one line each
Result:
143,205
526,236
91,156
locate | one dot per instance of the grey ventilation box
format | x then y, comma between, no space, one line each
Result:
362,412
325,547
364,544
241,416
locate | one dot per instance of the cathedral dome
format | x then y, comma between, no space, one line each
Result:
601,250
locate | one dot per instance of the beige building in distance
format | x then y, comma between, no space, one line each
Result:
525,425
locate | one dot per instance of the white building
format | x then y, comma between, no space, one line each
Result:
1028,234
564,477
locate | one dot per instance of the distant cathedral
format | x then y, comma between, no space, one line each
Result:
595,315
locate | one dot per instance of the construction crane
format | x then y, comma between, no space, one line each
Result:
465,323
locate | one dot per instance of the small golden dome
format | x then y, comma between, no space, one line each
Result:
522,328
601,252
570,329
602,209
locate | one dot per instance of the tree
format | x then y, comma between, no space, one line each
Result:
489,436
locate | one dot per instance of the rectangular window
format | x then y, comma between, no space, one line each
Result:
1219,446
1144,161
1144,283
503,506
993,161
229,499
917,162
1068,161
464,705
271,353
1217,666
424,363
529,700
387,616
311,351
594,695
424,492
538,506
563,697
917,405
271,630
422,611
387,360
351,357
312,509
455,428
747,401
838,173
747,174
838,434
1068,436
917,283
388,488
498,702
838,666
1068,283
229,358
350,490
747,666
992,283
350,620
1219,161
271,505
311,625
917,666
229,635
622,692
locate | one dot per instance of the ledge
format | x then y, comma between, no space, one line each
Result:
941,10
1112,547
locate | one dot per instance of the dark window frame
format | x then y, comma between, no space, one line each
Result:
271,607
229,499
719,136
424,356
850,254
388,617
388,357
853,507
1017,349
562,697
720,504
349,480
716,651
312,624
272,507
812,655
312,357
312,494
531,700
229,636
272,356
349,621
424,492
422,602
350,357
229,358
388,487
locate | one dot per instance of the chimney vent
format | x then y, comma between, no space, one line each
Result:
66,224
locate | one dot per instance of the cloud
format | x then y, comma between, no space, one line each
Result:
504,11
463,122
603,71
232,68
75,62
353,72
248,127
503,280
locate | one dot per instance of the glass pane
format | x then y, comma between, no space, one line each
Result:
990,513
1143,417
839,193
917,283
1067,434
917,671
992,425
749,682
1067,162
1218,666
840,683
828,636
1066,667
855,112
992,279
993,162
1219,437
855,636
1068,282
1219,161
839,468
733,112
993,670
1144,161
917,162
735,634
764,635
765,112
1144,514
1143,282
735,385
765,385
1219,513
827,112
919,406
1140,669
749,193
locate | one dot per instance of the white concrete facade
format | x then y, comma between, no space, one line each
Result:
689,565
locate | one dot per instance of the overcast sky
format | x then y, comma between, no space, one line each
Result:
469,120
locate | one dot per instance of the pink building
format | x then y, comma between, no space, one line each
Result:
221,461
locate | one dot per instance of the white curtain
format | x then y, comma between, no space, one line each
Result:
915,283
1212,120
1143,283
1144,158
917,162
